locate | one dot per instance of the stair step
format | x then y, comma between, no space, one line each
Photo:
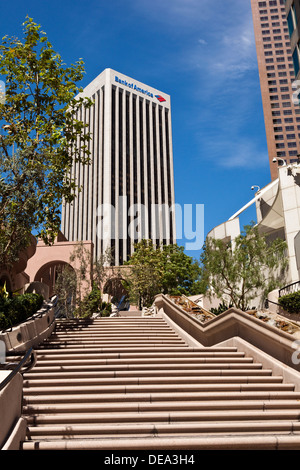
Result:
163,416
130,355
263,405
152,397
156,380
149,366
141,355
125,327
148,388
100,351
109,337
138,363
207,442
157,429
36,375
94,343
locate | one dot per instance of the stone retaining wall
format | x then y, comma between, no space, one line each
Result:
20,338
30,333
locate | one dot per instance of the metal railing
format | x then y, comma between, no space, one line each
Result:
290,289
267,302
22,366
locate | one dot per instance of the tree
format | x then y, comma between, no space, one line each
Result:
40,138
65,289
181,273
242,271
78,284
165,269
100,272
81,259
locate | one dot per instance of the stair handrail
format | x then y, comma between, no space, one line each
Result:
29,353
288,288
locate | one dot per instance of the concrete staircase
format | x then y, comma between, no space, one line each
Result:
134,384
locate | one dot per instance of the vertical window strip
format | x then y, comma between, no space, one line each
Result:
128,249
134,149
142,153
149,168
155,154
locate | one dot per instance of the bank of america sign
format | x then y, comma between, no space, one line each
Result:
133,86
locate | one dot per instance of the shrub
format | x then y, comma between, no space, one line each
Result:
221,308
105,309
290,302
17,309
92,303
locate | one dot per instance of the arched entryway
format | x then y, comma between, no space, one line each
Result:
49,273
116,291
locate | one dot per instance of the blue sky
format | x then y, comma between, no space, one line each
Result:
200,52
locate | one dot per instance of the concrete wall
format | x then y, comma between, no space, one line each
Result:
46,257
290,188
12,426
20,338
234,323
30,333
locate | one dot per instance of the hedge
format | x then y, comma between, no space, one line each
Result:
17,309
290,302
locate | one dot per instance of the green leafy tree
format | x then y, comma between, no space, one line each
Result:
240,272
40,138
78,283
65,288
165,269
181,273
82,262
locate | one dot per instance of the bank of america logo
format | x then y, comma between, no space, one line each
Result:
160,98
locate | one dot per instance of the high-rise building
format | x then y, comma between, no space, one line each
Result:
277,74
128,189
292,8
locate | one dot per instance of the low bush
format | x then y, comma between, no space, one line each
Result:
290,302
17,309
221,308
92,303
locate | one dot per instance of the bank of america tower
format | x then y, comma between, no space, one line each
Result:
127,191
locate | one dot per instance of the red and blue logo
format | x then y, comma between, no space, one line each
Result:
160,98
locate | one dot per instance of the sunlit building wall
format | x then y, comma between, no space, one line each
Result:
127,191
277,74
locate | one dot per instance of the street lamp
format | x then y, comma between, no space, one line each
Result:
277,159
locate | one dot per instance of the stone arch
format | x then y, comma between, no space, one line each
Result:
47,256
115,289
47,274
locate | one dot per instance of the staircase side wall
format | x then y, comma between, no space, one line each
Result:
235,324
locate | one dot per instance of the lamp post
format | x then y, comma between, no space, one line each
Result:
255,186
277,159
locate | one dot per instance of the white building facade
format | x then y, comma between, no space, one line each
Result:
127,191
278,216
